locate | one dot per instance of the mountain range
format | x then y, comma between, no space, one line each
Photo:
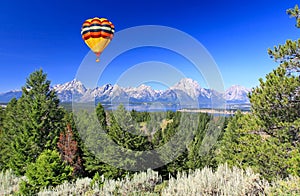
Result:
185,91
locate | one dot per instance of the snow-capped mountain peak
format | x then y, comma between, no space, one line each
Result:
186,83
73,86
186,90
237,93
189,86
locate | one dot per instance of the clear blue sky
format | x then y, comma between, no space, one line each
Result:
46,34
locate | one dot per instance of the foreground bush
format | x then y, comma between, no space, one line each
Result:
80,187
48,170
289,186
9,182
140,184
224,181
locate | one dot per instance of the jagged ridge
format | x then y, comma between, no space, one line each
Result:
185,91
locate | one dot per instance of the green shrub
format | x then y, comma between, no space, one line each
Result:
289,186
48,170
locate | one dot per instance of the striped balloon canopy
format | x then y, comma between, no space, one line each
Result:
97,33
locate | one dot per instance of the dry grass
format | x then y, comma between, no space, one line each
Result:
165,123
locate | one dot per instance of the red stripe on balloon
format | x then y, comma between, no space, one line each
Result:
104,34
100,34
86,24
86,36
95,34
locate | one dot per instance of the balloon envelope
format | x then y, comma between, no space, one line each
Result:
97,33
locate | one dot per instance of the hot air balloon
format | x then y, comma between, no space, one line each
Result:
97,33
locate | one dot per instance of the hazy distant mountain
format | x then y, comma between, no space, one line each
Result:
190,87
189,91
142,93
186,91
6,97
237,94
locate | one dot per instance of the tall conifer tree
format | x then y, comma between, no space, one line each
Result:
38,122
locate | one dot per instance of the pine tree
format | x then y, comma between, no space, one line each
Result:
37,124
1,136
8,131
95,147
1,116
196,149
268,139
87,128
132,143
101,115
294,12
125,132
276,102
195,142
245,144
42,105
